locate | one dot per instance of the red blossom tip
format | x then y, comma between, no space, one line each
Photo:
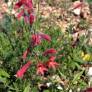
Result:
45,36
31,19
52,64
41,69
20,73
18,5
35,40
25,54
49,51
52,58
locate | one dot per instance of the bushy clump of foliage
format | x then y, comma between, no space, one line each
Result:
32,60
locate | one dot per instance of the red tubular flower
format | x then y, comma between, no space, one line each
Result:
88,90
35,40
20,73
50,51
28,3
31,19
27,10
45,36
52,58
51,63
25,54
41,69
18,5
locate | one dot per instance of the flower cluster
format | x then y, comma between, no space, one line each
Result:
26,12
51,63
41,67
36,39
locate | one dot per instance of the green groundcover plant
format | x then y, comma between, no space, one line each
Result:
41,61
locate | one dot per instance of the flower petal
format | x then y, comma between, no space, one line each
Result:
18,5
49,51
35,40
25,54
31,19
20,73
41,69
45,36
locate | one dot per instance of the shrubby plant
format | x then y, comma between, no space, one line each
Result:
41,61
